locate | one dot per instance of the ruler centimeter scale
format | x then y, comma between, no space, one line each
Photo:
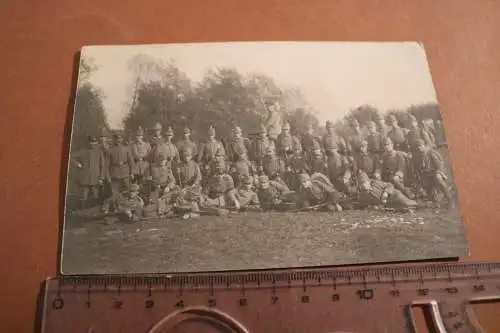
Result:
362,299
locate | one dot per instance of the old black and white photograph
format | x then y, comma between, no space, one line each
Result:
254,155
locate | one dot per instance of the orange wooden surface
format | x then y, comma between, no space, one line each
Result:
39,39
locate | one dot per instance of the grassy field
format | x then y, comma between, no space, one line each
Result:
261,240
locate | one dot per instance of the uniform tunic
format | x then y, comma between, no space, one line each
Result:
125,203
121,162
220,190
393,164
208,151
273,167
93,166
189,173
375,143
140,152
398,138
333,141
164,150
309,141
284,143
269,197
367,162
242,168
273,125
319,193
258,148
337,165
354,141
162,176
247,198
416,134
318,164
237,146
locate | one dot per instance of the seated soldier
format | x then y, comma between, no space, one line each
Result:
317,190
339,172
318,162
377,193
189,179
367,161
220,191
274,195
431,172
296,165
128,206
246,195
162,188
242,168
273,166
394,168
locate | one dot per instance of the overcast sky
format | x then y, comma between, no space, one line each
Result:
333,76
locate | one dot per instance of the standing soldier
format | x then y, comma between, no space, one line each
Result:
297,164
91,172
237,144
140,152
367,162
382,128
309,141
258,148
284,142
186,142
332,140
273,166
165,149
355,137
208,151
374,139
273,120
121,164
157,134
417,133
431,172
104,146
318,163
394,167
439,134
396,134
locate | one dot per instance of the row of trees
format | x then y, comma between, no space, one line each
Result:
160,92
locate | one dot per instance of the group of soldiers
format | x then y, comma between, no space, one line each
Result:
383,166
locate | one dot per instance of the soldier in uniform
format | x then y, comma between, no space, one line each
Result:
439,134
339,171
274,195
309,141
394,168
121,165
431,172
332,140
91,166
318,162
105,188
186,142
396,134
237,144
367,162
165,149
220,191
355,137
242,168
273,120
208,150
377,193
129,205
189,179
258,148
157,134
374,139
296,165
381,126
317,190
273,166
284,142
140,152
247,197
162,180
417,133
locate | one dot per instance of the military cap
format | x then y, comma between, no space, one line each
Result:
247,180
134,188
92,139
263,179
237,129
329,124
186,150
140,131
187,130
211,130
362,177
286,125
157,126
170,131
